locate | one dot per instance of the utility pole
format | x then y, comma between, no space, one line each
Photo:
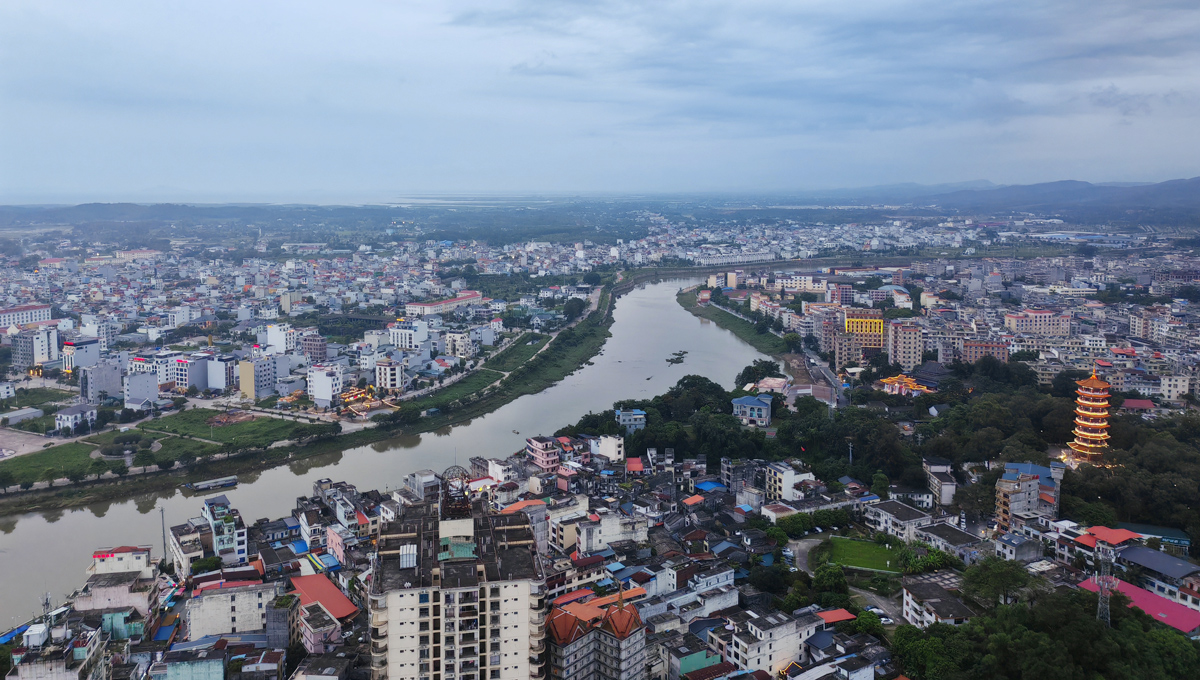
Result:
162,515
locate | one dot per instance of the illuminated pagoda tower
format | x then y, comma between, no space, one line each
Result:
1091,418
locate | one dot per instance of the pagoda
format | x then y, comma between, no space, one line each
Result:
1091,418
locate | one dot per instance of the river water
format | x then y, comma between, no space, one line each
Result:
47,552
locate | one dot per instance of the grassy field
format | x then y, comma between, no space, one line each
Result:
467,386
518,353
865,554
175,448
262,431
36,396
766,343
63,459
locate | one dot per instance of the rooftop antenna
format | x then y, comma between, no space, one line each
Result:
1105,581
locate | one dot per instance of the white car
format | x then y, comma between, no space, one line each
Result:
886,621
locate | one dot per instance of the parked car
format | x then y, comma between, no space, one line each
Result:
886,621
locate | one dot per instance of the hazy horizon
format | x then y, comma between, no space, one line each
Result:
373,102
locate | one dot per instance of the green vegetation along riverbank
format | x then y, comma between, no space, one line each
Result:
185,438
767,343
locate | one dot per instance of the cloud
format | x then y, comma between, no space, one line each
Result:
368,100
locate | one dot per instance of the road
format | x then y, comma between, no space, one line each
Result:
801,548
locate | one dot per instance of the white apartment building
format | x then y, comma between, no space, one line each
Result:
237,609
461,345
324,384
256,378
389,375
409,334
80,353
281,338
140,387
34,348
16,316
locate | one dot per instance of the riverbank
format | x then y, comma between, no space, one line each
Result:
767,343
570,350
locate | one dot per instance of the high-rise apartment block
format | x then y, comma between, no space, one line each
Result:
457,594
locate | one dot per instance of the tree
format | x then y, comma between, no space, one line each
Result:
993,580
794,342
6,479
192,390
573,308
761,368
880,484
591,279
778,535
829,578
205,565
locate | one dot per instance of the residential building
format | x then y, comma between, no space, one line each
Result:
71,417
140,390
236,607
389,375
458,590
24,314
222,372
228,530
904,344
324,385
281,338
77,655
950,539
974,350
100,381
758,639
896,518
939,474
408,334
631,419
125,576
927,603
80,353
314,347
1019,548
461,345
544,452
753,410
596,643
1038,322
1025,488
1164,575
256,378
34,348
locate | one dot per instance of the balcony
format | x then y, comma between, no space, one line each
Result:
537,647
379,618
467,639
536,618
378,647
468,612
535,633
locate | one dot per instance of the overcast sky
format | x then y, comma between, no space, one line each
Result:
373,101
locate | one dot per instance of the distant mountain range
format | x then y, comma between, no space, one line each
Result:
984,196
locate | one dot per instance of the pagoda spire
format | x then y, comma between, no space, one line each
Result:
1091,418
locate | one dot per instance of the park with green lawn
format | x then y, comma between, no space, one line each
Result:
863,554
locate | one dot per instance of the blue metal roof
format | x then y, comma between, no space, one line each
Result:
752,401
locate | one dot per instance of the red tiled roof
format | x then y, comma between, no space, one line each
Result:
714,671
836,616
692,500
573,596
1113,536
1159,608
1138,404
318,588
634,465
521,505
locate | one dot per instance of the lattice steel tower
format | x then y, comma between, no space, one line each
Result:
1105,581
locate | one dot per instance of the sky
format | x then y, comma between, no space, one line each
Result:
375,101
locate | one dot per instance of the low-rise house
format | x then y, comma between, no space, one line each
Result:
928,603
1018,547
967,547
896,518
941,480
753,410
67,419
1164,575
